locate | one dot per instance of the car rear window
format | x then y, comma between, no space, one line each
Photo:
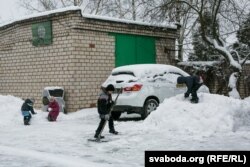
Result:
175,73
123,72
56,92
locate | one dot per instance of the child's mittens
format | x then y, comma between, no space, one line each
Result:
49,109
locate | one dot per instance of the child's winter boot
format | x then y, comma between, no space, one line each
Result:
194,100
96,136
26,122
113,131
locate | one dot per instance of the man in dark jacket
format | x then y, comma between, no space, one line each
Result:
104,104
27,107
193,83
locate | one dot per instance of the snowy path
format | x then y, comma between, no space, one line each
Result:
58,160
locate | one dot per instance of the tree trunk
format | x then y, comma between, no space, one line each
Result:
75,3
133,8
180,41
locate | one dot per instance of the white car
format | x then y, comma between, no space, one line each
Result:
143,86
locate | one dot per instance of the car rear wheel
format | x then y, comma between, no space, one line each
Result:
116,115
149,106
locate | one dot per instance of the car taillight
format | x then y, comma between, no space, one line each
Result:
135,87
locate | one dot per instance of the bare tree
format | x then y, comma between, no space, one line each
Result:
76,2
126,9
45,5
224,12
171,11
133,10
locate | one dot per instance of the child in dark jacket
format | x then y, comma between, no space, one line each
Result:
193,83
53,109
26,108
104,104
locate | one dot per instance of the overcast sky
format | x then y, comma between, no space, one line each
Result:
9,9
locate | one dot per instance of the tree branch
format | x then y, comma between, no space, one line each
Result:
245,59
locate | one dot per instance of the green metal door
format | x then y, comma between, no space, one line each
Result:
132,49
145,50
125,50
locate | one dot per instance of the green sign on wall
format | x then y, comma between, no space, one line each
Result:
42,33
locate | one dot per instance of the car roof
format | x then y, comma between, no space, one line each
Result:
141,69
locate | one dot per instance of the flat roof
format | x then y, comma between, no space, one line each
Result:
84,15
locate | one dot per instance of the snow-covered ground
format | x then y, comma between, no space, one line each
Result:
216,123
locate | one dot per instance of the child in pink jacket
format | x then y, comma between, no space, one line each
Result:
53,109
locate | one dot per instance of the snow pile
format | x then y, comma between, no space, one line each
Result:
35,144
214,113
11,115
10,110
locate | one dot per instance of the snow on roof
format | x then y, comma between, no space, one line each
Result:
61,10
90,16
173,26
53,88
140,69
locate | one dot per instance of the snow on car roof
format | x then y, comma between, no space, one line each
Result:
139,70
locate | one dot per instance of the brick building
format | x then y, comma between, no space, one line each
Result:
69,49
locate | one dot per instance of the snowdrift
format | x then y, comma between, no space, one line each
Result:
214,113
10,109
